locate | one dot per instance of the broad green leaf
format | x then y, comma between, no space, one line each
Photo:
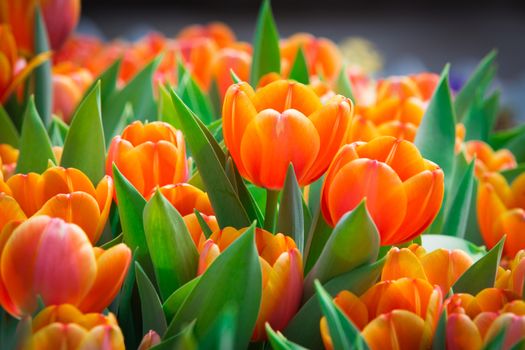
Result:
226,204
279,341
482,273
108,81
174,302
35,147
355,229
511,174
501,138
221,334
266,54
139,93
224,283
84,147
304,327
318,235
247,199
152,314
299,71
343,333
477,83
43,88
433,242
193,96
8,132
58,132
291,219
481,117
440,335
343,85
457,216
127,307
166,111
170,245
131,207
516,147
8,328
438,127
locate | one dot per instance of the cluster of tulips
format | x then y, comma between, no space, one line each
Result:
199,192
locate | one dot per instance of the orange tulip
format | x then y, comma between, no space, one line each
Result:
426,83
197,55
403,191
78,50
440,267
488,160
149,340
60,17
13,69
149,155
65,327
322,55
230,59
185,198
8,158
282,274
63,193
220,33
49,258
488,300
284,122
501,211
513,279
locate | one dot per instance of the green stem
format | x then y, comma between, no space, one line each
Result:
271,209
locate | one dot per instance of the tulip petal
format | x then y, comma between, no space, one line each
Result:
462,333
489,209
25,189
9,210
104,338
282,95
402,263
353,308
59,336
443,267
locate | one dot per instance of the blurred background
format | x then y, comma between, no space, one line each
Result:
390,37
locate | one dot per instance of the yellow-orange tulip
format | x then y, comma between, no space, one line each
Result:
492,300
501,211
488,160
282,274
149,155
220,33
49,258
185,198
403,191
284,122
8,158
60,17
322,55
65,327
58,192
513,279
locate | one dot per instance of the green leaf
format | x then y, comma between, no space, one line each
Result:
139,93
58,131
84,147
501,138
206,230
511,174
279,341
519,345
166,111
299,71
117,240
481,117
266,53
342,331
184,340
43,88
497,341
127,308
433,242
174,302
438,127
108,81
343,85
152,314
131,207
304,327
477,83
482,274
35,147
440,335
226,204
516,147
318,235
355,229
170,245
193,96
224,283
8,132
457,216
291,219
221,334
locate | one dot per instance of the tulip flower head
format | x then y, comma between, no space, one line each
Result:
403,190
282,274
54,260
281,123
488,160
220,33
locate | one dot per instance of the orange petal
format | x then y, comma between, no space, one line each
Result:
398,129
361,129
185,198
518,192
25,189
514,325
103,337
208,253
9,210
489,209
353,308
462,333
282,95
512,224
443,267
61,180
59,336
402,263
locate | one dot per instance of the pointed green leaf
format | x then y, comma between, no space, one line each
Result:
433,242
291,218
58,131
166,111
152,314
117,240
318,235
224,283
299,71
343,85
342,331
266,54
84,147
497,341
43,88
457,216
500,139
516,147
184,340
174,302
221,334
355,229
478,80
279,341
108,81
206,230
481,117
226,204
170,245
35,147
193,96
8,132
482,274
438,127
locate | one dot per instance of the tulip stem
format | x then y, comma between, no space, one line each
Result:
272,198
